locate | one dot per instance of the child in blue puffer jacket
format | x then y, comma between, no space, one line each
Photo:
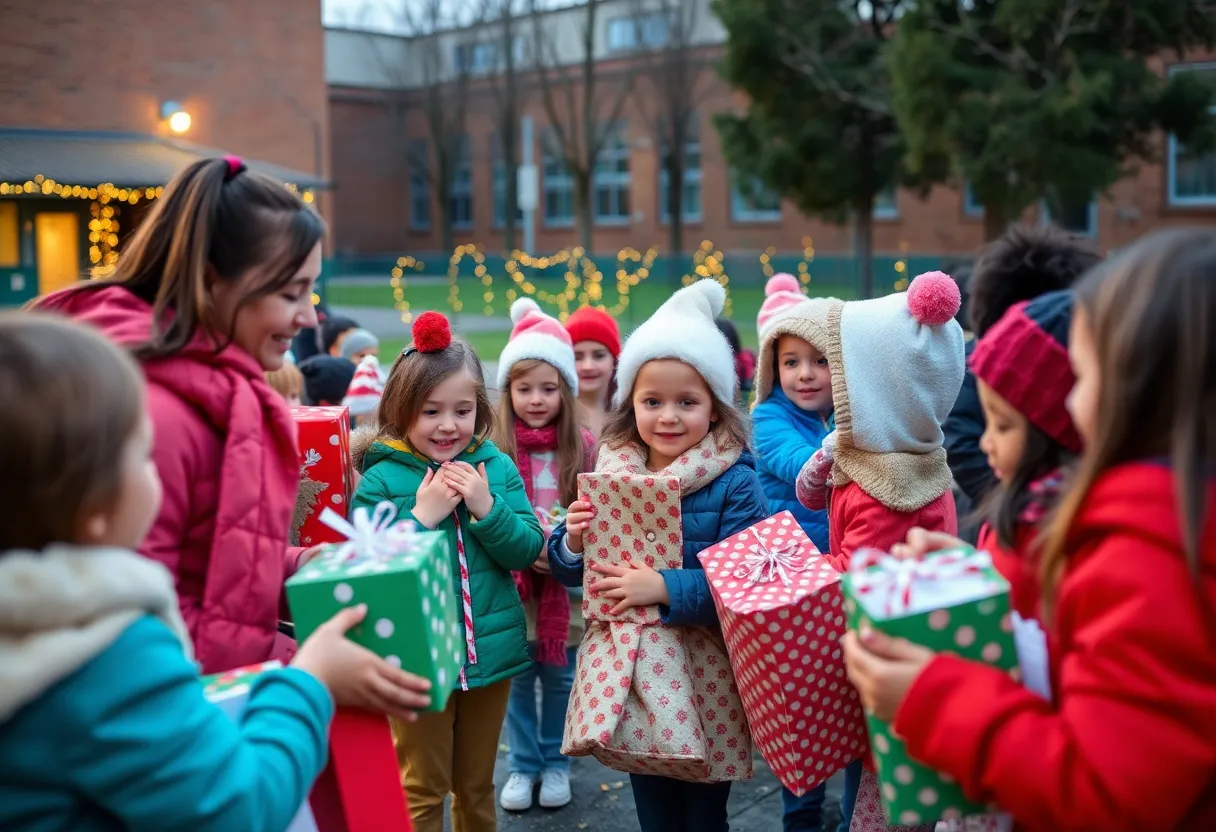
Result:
674,416
103,723
792,415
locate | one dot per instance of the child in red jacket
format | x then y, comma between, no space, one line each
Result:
1126,741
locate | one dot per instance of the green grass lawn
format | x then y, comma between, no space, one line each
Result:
487,345
743,301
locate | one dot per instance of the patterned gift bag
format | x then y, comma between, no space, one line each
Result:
682,716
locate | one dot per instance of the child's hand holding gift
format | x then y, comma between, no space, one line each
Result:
434,500
630,586
355,676
578,520
883,668
472,485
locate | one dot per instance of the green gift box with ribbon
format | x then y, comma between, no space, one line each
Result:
951,601
404,577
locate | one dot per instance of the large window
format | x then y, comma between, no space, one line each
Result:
611,180
1191,176
971,205
886,204
690,205
558,184
644,31
460,202
1076,218
485,57
420,184
499,178
755,203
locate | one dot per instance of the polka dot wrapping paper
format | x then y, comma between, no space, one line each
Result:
323,435
782,615
413,607
952,601
648,698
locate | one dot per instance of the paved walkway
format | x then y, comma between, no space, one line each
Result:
385,322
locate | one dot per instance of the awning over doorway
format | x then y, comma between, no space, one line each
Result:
125,160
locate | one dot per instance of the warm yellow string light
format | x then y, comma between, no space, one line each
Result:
398,283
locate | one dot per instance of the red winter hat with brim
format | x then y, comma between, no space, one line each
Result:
1024,359
589,323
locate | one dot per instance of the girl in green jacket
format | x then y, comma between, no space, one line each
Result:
432,460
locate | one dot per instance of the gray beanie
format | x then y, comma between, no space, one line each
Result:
357,340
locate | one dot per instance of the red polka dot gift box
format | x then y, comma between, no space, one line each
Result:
952,601
782,614
323,434
648,698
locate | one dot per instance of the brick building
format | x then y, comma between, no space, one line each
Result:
93,95
378,88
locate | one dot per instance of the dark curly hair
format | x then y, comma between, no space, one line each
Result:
1023,263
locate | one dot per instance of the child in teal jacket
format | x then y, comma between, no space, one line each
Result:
103,723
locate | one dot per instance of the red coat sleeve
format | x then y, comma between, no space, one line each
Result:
1129,743
868,524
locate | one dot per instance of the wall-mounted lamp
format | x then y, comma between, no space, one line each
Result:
176,117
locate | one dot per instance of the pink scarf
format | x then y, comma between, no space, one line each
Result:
553,602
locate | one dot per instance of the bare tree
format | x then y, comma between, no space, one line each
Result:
505,43
582,106
434,77
674,74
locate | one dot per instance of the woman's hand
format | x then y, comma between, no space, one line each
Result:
472,484
578,520
921,542
630,586
308,554
434,500
882,669
355,676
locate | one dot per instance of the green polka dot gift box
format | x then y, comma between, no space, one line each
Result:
405,578
952,601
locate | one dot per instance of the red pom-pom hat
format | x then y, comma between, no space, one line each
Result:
431,332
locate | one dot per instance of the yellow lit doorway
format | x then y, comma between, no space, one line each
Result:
58,247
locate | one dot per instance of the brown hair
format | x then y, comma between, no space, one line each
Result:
1151,312
571,452
210,225
415,374
621,426
73,400
287,381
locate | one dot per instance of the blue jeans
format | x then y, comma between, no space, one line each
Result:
805,814
536,742
667,805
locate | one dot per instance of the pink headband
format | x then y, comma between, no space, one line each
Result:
235,166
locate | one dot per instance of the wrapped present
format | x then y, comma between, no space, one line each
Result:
360,788
952,601
782,614
405,577
325,473
648,698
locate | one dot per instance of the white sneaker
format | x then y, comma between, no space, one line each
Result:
517,794
554,789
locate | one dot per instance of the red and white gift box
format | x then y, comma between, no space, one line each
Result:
325,475
782,614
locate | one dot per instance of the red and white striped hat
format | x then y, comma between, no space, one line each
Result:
366,387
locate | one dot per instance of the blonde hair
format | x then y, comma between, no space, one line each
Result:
571,453
287,381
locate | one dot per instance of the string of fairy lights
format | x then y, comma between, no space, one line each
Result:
582,278
106,201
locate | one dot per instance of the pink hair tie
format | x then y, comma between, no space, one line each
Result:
235,166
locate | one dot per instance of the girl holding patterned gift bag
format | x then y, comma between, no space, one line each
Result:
537,426
597,344
207,295
433,460
674,416
103,722
1126,579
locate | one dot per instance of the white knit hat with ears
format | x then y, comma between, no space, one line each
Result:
537,336
682,328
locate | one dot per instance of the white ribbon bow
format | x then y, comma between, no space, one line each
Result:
767,565
373,536
875,571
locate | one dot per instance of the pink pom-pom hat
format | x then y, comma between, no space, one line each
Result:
782,293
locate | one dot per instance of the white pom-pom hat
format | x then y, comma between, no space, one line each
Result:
537,336
683,328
